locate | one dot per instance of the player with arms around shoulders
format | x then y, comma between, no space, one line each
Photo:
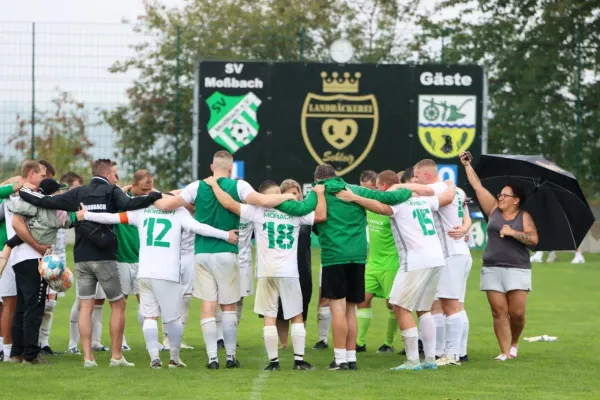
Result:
160,268
277,267
421,259
217,271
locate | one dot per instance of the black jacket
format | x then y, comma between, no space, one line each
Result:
93,242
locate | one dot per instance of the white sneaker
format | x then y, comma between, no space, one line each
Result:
513,352
501,357
551,257
90,364
122,362
578,259
445,361
176,364
537,257
186,347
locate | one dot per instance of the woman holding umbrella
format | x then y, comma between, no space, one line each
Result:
506,272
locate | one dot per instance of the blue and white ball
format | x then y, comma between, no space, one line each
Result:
52,267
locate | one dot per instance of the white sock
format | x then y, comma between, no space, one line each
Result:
351,355
7,348
219,321
465,334
73,327
298,341
1,341
125,340
230,332
323,322
454,330
411,344
185,309
46,326
150,329
97,325
175,332
239,306
340,356
271,342
427,328
440,334
209,332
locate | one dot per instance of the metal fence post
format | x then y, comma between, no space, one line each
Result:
177,105
578,110
302,34
33,90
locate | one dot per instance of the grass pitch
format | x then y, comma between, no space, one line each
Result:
564,303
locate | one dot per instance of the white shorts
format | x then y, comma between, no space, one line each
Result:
99,291
129,282
159,298
188,268
8,284
268,292
415,290
246,282
217,277
452,278
463,291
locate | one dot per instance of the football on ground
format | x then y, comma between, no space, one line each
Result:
564,303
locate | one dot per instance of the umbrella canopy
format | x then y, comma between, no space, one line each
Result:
561,213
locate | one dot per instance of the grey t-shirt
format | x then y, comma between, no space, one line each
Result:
505,252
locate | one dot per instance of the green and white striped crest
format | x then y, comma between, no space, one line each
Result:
233,123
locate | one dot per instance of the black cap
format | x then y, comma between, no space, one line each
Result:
50,186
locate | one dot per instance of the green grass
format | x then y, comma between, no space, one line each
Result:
564,303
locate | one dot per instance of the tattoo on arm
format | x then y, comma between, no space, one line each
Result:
524,238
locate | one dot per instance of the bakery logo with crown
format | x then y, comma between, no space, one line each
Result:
339,127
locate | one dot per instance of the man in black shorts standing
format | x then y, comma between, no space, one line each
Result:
343,239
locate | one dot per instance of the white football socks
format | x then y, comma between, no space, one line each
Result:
97,325
219,322
7,349
428,331
340,356
323,323
185,310
411,344
465,334
454,330
440,334
46,326
230,323
140,316
175,332
239,306
209,332
73,325
271,342
298,341
150,329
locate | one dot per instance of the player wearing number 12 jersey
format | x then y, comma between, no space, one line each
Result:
421,260
277,268
160,271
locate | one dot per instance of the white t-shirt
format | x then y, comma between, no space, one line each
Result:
59,247
415,235
447,217
23,251
245,243
191,190
276,236
160,238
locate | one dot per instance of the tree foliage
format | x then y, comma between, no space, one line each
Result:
227,29
60,135
532,50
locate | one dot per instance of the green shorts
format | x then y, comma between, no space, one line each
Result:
379,282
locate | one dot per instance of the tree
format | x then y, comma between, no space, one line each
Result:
532,51
155,129
62,139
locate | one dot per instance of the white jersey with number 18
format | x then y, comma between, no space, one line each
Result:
415,235
160,238
276,236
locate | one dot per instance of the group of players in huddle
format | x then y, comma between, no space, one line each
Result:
197,241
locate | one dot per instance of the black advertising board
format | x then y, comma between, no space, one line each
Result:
281,120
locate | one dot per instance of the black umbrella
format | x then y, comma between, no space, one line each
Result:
561,213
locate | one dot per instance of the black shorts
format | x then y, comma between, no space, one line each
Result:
344,281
